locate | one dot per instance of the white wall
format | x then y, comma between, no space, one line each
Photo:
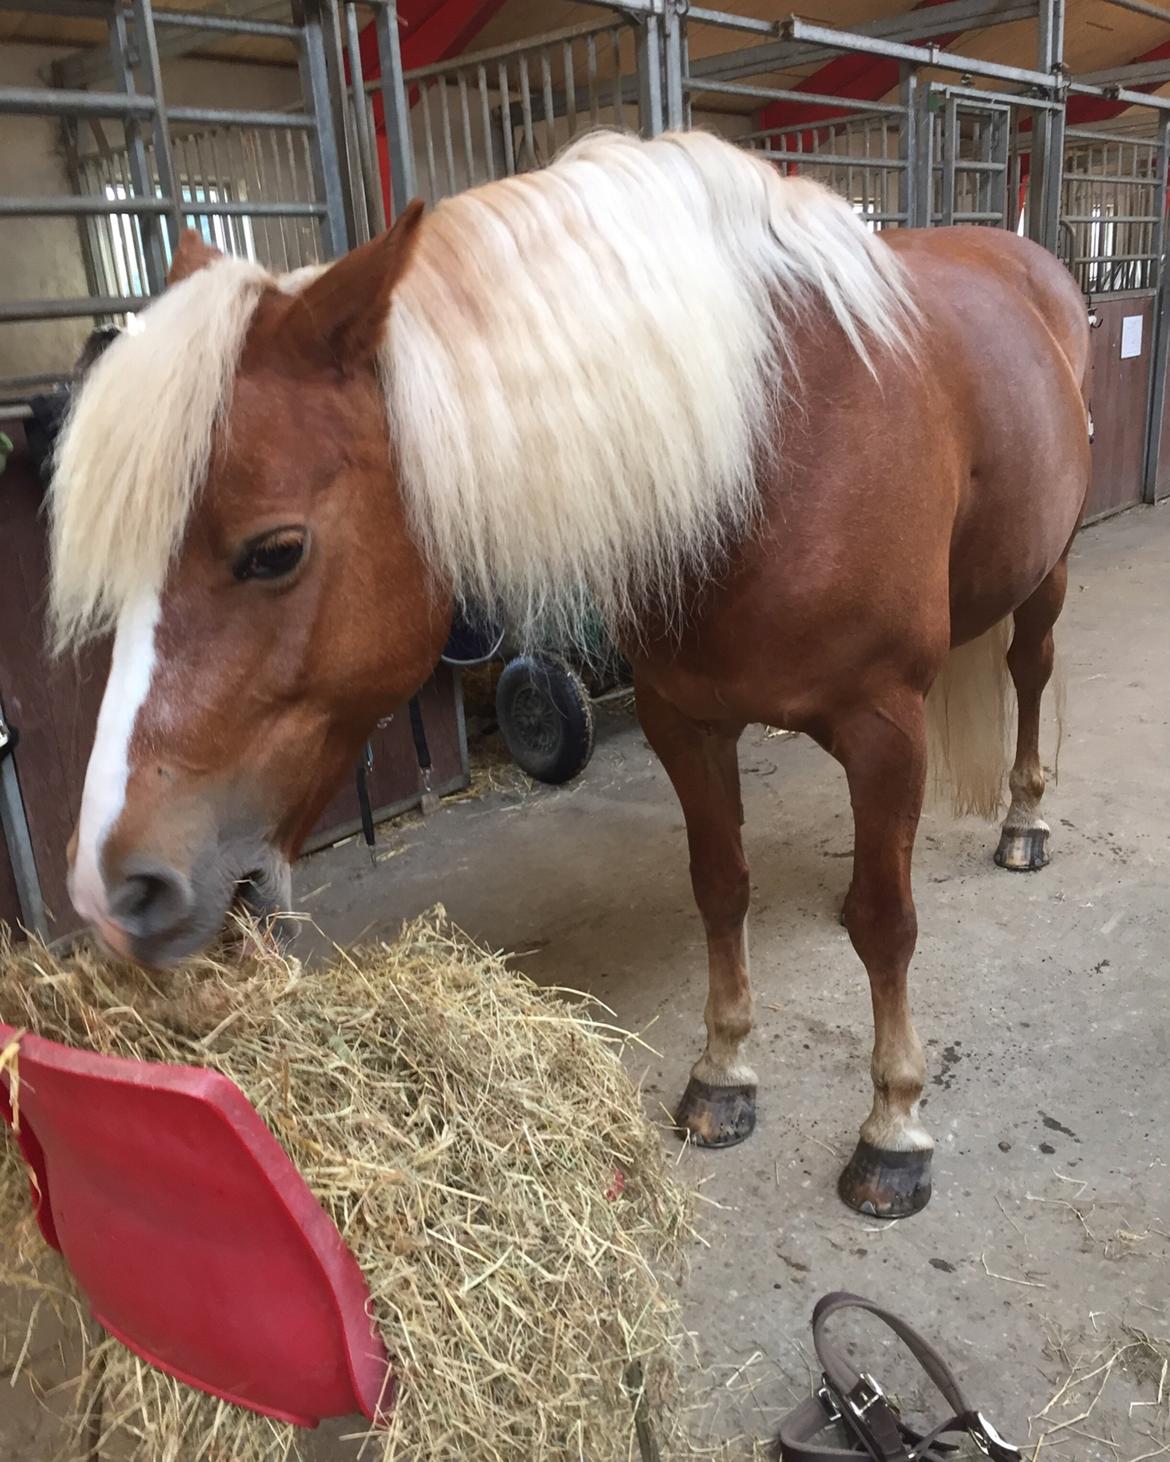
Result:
40,258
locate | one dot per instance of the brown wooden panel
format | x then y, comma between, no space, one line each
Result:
53,705
1119,397
394,781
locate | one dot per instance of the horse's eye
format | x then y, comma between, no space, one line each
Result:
272,557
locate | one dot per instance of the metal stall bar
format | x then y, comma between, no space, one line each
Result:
154,246
914,25
700,14
230,25
353,196
532,62
911,199
160,127
18,840
797,29
397,113
35,101
782,94
989,173
674,64
1044,183
650,108
73,207
14,311
323,140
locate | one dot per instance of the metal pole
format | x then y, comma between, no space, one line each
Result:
908,142
650,77
322,138
673,23
375,208
923,160
950,159
335,66
1160,357
14,825
403,186
160,127
141,175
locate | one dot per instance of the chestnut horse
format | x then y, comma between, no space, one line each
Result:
793,464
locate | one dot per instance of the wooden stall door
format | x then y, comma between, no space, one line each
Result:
1121,350
53,705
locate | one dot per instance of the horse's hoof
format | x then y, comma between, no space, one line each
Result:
1023,850
886,1184
716,1116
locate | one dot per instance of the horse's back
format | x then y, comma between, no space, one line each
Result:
1016,264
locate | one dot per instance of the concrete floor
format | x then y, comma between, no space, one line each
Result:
1043,1002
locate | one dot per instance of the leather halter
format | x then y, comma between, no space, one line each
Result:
869,1419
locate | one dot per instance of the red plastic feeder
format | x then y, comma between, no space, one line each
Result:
194,1238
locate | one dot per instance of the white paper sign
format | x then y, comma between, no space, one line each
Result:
1131,336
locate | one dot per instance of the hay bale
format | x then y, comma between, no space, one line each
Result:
462,1127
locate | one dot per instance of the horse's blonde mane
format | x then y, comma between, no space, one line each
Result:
583,366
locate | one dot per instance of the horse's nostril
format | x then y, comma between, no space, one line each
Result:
151,899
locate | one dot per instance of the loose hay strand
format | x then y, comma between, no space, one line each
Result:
462,1128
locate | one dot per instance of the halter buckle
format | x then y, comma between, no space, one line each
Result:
851,1408
865,1394
991,1444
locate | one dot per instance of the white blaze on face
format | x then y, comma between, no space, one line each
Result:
131,673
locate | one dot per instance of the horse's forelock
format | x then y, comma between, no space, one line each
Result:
135,449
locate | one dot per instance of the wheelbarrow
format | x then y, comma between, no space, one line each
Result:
544,700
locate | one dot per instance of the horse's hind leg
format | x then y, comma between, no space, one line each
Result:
883,750
718,1107
1023,844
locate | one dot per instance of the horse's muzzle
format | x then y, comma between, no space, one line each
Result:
156,914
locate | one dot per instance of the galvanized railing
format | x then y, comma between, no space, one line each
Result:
506,110
857,156
1114,208
248,190
262,183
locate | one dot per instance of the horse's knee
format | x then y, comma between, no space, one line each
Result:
883,930
722,892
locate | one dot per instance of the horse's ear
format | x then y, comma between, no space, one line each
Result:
339,319
192,254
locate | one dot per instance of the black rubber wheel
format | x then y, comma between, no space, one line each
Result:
545,716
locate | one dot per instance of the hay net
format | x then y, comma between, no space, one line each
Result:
479,1145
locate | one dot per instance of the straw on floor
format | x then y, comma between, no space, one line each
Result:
469,1134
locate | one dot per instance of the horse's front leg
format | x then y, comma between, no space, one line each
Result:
883,750
718,1107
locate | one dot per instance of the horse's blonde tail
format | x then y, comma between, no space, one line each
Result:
967,724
